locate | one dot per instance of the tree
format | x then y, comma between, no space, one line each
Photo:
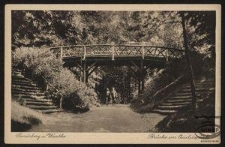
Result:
190,70
44,28
201,30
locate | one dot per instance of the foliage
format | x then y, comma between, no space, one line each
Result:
77,95
45,28
46,69
201,27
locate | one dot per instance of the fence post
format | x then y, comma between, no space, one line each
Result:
46,87
84,53
113,51
143,52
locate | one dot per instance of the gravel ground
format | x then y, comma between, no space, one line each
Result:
111,118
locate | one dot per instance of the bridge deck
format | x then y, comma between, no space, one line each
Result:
116,52
88,57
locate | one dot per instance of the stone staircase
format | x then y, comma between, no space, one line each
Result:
183,97
30,95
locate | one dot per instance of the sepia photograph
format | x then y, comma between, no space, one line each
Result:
111,71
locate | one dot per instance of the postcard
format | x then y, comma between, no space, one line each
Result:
112,74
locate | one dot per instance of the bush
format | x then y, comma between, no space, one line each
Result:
74,93
39,63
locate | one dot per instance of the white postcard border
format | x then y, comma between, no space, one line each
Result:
106,138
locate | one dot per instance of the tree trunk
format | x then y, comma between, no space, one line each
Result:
190,70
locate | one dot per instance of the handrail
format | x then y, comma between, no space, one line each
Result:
167,86
117,50
163,90
57,47
48,82
60,105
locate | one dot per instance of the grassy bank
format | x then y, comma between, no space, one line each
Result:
22,118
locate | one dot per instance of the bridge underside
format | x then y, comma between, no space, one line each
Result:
118,61
137,65
137,57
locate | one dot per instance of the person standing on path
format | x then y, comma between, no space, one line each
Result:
114,95
107,96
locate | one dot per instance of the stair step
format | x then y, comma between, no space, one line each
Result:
21,81
32,94
37,100
28,93
40,94
39,103
176,103
173,107
171,98
20,77
188,93
180,100
26,87
199,90
39,97
25,90
28,96
24,84
183,97
41,107
160,111
50,111
182,94
205,80
180,97
201,85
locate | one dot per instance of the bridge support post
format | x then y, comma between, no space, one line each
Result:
167,55
142,76
129,82
139,83
141,79
85,72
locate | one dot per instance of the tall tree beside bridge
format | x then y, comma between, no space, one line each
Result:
190,70
201,34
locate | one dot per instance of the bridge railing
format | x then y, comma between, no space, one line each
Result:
109,50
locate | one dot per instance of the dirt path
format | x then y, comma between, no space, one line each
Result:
117,118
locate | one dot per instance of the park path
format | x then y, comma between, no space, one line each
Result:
111,118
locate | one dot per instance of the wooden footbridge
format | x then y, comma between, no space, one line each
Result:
89,57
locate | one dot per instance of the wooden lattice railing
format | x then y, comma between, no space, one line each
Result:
108,50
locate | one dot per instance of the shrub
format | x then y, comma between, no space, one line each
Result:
44,68
73,92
